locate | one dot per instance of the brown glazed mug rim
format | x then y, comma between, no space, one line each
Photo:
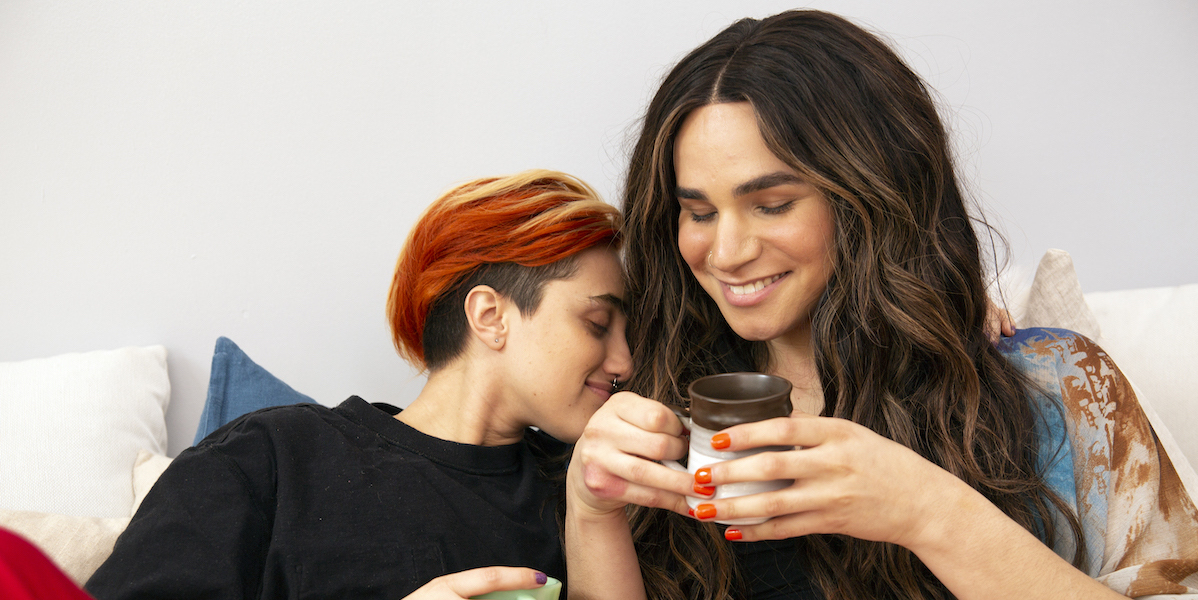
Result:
768,399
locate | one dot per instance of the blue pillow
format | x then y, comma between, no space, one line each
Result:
238,386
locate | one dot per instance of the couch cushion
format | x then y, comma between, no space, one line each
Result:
1152,334
71,427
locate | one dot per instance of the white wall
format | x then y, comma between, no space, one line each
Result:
175,171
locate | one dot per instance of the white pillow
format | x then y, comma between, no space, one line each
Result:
71,427
1152,334
79,545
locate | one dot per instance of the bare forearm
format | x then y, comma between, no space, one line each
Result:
600,557
979,553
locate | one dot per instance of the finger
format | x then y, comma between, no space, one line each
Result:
774,506
798,429
779,528
484,580
654,498
607,473
797,464
1008,324
631,431
646,414
624,438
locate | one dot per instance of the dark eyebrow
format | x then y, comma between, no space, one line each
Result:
764,182
689,194
616,302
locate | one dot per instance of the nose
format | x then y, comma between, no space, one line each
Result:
734,244
618,362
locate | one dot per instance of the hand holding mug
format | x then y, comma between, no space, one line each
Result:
848,480
614,462
717,403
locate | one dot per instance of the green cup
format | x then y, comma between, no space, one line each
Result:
550,591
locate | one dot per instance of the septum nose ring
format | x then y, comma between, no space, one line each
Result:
615,384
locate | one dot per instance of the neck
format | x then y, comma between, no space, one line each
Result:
793,357
464,405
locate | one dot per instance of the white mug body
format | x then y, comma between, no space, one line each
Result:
703,455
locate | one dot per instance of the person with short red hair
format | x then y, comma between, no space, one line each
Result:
509,292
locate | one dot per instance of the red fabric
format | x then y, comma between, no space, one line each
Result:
27,574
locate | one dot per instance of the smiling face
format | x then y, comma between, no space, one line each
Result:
757,237
571,348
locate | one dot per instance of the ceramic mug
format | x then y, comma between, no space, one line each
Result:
550,591
719,402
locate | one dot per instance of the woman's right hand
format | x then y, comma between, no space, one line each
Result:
474,582
614,462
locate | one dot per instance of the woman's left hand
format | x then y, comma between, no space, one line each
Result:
847,480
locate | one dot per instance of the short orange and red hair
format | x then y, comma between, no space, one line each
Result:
528,220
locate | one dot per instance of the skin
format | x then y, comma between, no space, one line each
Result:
551,369
757,237
848,479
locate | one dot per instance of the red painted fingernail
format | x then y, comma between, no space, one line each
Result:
705,511
732,534
703,475
691,511
706,490
542,579
720,441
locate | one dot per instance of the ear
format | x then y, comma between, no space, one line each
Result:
487,316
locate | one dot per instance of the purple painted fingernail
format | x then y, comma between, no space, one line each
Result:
542,579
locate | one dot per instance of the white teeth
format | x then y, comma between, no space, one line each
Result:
756,286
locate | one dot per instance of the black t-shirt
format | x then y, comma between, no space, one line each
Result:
306,501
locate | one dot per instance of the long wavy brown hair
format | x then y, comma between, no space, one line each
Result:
899,336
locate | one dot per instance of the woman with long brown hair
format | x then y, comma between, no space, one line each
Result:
792,208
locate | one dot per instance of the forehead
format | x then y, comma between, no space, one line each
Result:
723,139
598,278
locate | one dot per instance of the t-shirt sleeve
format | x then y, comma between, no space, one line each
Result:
204,528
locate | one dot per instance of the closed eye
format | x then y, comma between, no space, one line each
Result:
695,206
779,209
597,329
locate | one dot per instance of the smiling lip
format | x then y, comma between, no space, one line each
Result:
751,292
603,389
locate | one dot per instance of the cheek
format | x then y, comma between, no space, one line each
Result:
693,244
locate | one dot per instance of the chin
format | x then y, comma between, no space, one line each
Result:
765,328
754,334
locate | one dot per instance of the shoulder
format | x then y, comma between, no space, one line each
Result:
273,422
252,443
1045,341
1050,353
1077,374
